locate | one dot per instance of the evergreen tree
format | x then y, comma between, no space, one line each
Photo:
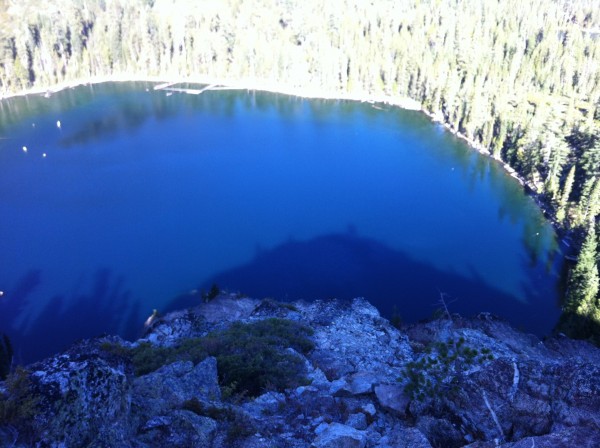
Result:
581,317
564,197
590,160
589,202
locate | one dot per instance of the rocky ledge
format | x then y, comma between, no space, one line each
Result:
238,372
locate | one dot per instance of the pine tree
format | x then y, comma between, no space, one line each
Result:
589,202
564,197
583,284
582,311
558,152
590,160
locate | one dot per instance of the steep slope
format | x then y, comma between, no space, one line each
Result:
350,379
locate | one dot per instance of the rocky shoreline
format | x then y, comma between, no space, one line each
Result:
343,377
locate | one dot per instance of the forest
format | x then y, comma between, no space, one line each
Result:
519,79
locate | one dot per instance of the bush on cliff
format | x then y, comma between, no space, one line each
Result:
251,357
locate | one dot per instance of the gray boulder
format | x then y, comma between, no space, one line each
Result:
392,398
336,435
178,429
170,386
83,399
399,436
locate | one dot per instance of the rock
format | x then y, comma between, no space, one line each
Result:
258,441
577,391
169,329
369,409
361,383
392,398
178,429
227,308
339,388
347,337
516,391
316,375
357,421
403,437
332,366
82,399
336,435
267,404
170,386
199,320
440,432
569,438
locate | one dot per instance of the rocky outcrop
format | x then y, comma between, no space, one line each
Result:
449,382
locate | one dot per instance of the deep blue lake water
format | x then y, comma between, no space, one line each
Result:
142,200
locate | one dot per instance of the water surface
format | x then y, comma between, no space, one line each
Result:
143,200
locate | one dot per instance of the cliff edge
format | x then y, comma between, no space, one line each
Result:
239,372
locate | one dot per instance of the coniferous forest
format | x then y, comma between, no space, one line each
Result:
519,79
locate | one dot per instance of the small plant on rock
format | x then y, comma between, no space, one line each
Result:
438,371
212,294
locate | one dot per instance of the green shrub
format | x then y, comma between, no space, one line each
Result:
146,357
251,358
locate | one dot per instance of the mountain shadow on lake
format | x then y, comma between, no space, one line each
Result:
106,308
345,266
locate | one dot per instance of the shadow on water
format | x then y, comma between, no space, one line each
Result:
346,266
107,307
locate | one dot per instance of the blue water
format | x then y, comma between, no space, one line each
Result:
143,200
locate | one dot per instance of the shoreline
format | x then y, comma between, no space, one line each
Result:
241,84
528,187
307,93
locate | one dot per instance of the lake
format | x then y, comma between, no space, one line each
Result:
142,200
